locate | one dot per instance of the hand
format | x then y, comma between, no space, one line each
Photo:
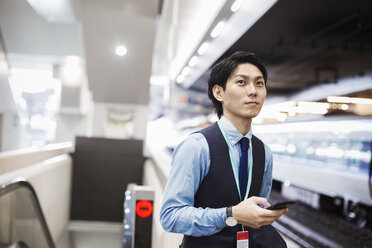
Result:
250,214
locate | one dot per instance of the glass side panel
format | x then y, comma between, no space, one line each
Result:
20,221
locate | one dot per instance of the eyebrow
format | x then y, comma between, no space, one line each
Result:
244,76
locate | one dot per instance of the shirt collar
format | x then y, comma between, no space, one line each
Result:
233,134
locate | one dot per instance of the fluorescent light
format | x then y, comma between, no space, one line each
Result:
180,78
312,107
159,80
217,29
71,75
121,50
203,48
236,5
281,111
338,99
344,106
186,71
193,61
355,100
72,71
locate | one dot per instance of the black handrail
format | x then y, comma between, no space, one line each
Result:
23,183
370,174
17,244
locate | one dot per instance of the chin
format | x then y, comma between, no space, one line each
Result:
250,115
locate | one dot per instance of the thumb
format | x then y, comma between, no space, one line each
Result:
261,201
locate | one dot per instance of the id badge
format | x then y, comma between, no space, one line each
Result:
242,239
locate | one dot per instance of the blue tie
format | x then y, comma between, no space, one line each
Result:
243,166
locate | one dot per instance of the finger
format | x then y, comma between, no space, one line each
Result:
261,200
274,213
279,211
270,219
282,211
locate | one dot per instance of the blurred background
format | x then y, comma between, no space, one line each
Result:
130,77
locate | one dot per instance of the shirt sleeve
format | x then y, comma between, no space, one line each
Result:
268,175
190,163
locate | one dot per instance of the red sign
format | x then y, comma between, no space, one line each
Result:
144,208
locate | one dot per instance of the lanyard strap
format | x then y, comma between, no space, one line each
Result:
235,165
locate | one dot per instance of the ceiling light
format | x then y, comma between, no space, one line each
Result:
344,106
186,71
71,74
203,48
180,78
193,61
121,50
217,29
72,71
236,5
355,100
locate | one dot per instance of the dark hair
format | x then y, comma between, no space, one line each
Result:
223,69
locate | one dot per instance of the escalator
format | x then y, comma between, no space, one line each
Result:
22,224
370,174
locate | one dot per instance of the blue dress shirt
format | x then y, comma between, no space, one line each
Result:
190,163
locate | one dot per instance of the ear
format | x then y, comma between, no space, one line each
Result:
218,92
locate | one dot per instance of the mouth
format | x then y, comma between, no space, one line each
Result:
251,103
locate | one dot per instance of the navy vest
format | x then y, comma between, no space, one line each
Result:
218,189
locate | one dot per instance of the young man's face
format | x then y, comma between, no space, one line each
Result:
244,94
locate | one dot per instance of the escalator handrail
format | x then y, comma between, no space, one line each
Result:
370,174
23,183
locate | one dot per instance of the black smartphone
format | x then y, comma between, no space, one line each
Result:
281,205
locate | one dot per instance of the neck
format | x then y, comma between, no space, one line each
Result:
242,124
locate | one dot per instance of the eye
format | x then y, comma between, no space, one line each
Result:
240,82
260,83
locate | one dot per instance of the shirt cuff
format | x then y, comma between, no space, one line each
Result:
222,217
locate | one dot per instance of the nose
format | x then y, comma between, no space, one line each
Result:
251,89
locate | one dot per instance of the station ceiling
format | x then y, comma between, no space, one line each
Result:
303,43
308,43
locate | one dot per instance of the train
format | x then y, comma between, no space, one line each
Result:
324,163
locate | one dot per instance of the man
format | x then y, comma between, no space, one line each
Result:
222,175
